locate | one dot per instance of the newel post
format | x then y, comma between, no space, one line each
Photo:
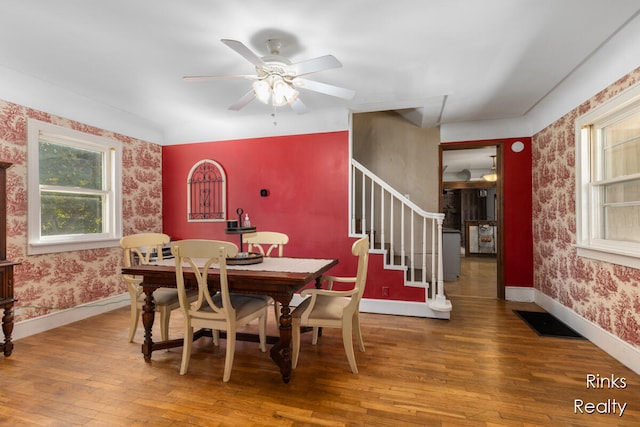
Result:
440,300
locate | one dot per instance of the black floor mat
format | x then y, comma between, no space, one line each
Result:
546,325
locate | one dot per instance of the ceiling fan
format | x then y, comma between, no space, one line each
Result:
277,79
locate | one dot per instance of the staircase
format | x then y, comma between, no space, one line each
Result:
409,237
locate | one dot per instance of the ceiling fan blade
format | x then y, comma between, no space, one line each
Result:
244,51
299,107
205,78
240,103
327,89
314,65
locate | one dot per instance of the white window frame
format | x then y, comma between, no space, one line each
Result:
112,158
589,243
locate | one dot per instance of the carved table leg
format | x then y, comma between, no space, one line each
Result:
148,314
281,351
7,329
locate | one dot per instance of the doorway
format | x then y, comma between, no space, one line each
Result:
471,200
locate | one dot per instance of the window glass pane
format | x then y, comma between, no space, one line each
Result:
65,166
622,211
63,214
621,145
622,223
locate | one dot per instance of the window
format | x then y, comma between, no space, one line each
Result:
206,192
608,181
75,194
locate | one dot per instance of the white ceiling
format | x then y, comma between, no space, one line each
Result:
436,61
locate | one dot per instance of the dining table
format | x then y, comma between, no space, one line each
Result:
278,277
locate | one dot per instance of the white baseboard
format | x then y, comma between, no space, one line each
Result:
49,321
620,350
518,293
400,308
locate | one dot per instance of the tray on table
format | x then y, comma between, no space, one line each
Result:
245,258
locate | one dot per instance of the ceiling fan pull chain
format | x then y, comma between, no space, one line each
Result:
275,121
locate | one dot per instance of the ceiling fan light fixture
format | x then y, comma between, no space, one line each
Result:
262,90
275,90
283,93
279,92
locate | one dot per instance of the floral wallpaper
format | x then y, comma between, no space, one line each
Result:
46,283
606,294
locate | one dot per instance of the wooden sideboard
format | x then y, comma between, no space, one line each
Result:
6,269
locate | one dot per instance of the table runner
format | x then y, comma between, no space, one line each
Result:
277,264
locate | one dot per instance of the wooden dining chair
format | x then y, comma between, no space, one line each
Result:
266,243
334,308
140,249
222,311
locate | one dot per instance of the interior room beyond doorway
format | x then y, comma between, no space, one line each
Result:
470,204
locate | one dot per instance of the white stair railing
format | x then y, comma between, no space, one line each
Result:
381,212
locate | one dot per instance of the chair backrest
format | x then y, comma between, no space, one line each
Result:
360,248
200,255
260,239
139,248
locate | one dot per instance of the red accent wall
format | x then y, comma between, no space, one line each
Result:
308,181
518,208
517,192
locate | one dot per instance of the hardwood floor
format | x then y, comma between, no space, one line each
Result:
484,367
478,278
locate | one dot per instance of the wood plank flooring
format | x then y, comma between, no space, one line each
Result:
478,278
484,367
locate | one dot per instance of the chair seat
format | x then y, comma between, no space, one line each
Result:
325,308
265,298
164,296
243,304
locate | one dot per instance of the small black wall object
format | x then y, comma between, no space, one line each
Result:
264,192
